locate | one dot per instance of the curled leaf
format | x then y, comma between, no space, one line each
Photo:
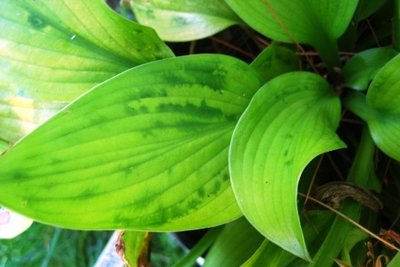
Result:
290,120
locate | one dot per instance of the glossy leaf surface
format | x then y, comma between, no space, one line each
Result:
53,51
290,120
146,150
361,68
184,20
301,21
384,98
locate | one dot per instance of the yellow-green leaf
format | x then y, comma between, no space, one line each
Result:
289,121
184,20
146,150
53,51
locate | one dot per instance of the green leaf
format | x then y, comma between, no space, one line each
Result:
340,228
53,51
189,260
237,242
354,237
366,8
361,68
299,21
274,61
3,145
269,254
383,98
134,248
184,20
290,120
395,261
146,150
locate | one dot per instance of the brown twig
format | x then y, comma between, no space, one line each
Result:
237,49
290,35
377,237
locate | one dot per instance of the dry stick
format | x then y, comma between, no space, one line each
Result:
313,179
311,53
352,222
263,41
395,221
335,167
373,32
237,49
352,121
385,174
273,13
192,47
258,41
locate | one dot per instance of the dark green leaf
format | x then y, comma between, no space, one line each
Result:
383,98
361,68
189,260
298,21
237,242
367,7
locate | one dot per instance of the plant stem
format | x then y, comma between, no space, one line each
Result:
190,259
363,162
396,25
329,53
340,229
52,247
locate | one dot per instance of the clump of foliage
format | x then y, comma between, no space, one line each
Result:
287,149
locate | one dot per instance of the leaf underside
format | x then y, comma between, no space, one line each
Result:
184,20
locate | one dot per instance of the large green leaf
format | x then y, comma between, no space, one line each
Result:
52,51
290,120
383,98
314,22
184,20
146,150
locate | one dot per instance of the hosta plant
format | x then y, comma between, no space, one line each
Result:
285,145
